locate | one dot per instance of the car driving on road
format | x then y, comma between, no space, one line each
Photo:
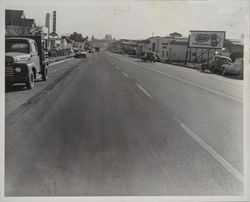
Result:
215,64
233,68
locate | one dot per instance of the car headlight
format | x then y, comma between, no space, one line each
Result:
18,69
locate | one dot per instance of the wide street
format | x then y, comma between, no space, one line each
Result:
112,125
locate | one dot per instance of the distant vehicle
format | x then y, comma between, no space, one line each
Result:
97,49
215,64
24,60
149,56
90,51
81,54
235,68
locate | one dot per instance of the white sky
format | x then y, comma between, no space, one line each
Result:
139,19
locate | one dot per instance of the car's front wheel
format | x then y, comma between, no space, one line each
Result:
30,80
44,73
202,68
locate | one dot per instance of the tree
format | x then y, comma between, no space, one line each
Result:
77,37
38,30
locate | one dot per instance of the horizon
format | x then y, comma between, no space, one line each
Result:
152,18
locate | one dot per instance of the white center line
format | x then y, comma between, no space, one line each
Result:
117,67
188,82
211,151
125,74
143,90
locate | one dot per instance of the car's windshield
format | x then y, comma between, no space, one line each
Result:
16,46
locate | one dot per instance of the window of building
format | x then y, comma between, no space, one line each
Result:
153,47
163,54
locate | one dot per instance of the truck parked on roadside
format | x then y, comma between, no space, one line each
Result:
24,60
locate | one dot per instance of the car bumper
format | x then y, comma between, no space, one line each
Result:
231,72
11,80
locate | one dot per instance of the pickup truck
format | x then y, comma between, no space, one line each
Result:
24,60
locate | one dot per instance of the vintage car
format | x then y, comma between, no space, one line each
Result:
24,60
81,54
233,68
149,56
215,64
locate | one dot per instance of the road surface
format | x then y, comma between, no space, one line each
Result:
112,125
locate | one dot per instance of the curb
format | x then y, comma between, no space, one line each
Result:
186,66
59,59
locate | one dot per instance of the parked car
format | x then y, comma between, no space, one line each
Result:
215,64
24,60
81,54
233,68
149,56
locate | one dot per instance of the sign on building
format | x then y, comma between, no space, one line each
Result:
206,39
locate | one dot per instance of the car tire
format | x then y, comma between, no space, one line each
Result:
30,80
202,68
223,72
45,73
213,70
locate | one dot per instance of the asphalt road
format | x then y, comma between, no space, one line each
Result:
116,126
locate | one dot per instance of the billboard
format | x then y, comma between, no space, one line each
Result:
206,39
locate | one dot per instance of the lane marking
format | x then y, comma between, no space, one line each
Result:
112,63
212,152
58,62
143,90
188,82
125,74
117,67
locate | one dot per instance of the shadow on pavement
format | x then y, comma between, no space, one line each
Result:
12,88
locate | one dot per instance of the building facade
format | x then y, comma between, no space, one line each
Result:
17,25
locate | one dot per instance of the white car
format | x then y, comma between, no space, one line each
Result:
81,54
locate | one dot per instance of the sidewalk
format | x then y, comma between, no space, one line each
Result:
188,65
56,59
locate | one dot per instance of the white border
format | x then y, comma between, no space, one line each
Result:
246,110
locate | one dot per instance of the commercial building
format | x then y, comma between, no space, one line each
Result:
16,24
174,48
126,46
108,37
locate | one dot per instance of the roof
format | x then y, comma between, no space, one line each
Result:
175,33
20,38
14,13
17,18
222,56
